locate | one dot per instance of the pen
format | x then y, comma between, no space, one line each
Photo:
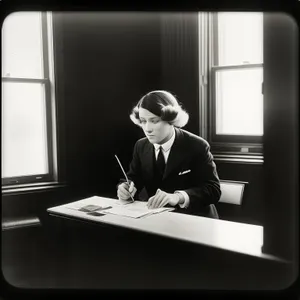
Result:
124,174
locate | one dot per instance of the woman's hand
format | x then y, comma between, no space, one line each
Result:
125,190
162,198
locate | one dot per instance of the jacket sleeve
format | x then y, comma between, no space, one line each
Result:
134,174
205,188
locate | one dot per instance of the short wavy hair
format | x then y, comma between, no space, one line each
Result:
163,104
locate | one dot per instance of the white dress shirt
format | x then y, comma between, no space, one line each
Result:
166,147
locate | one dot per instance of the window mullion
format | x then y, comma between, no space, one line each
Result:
231,67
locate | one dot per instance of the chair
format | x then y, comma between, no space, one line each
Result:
230,203
232,191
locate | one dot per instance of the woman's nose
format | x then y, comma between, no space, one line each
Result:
148,127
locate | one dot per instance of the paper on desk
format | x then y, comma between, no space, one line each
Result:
135,210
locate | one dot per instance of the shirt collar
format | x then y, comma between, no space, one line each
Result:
167,145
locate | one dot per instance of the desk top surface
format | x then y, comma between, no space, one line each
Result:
238,237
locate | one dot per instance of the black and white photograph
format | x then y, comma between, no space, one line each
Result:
149,150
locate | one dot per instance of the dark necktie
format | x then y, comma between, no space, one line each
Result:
161,161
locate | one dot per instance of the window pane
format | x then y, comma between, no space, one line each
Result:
240,38
22,45
239,102
23,129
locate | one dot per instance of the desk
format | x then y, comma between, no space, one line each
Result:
230,236
166,250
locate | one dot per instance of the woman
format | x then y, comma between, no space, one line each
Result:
174,166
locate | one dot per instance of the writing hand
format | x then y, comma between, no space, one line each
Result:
162,198
125,190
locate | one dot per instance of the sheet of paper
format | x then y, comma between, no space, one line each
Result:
134,210
103,205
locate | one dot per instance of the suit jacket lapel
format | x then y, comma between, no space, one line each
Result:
176,155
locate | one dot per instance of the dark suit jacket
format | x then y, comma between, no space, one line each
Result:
189,152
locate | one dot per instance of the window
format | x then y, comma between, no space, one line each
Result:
235,81
27,99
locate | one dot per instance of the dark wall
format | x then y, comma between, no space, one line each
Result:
106,62
179,64
35,203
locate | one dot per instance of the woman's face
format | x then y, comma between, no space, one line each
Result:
156,130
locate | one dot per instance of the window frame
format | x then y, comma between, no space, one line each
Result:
51,176
241,145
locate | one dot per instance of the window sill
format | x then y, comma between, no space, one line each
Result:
31,188
20,223
239,159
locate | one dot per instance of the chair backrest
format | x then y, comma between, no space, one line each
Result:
232,191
